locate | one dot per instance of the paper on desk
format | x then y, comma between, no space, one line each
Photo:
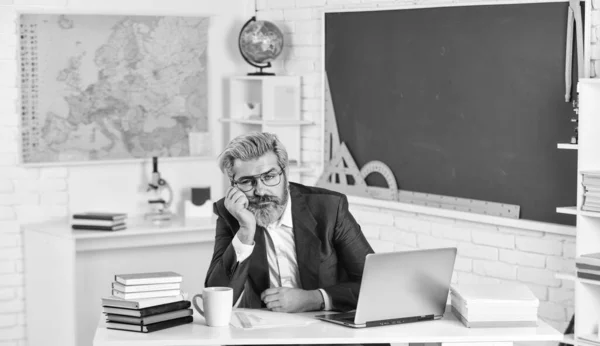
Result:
261,319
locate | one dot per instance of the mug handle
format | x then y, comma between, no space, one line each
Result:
200,311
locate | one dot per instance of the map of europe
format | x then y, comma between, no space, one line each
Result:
100,87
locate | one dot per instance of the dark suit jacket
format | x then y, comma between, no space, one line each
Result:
330,249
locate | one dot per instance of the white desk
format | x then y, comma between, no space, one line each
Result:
67,272
447,330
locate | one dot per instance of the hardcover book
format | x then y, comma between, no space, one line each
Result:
149,311
88,222
506,294
584,275
141,295
100,216
117,302
148,278
492,324
142,321
118,227
592,259
150,327
145,288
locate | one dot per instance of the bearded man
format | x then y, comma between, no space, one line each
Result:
281,245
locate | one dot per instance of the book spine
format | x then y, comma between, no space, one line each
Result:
142,295
98,228
160,309
149,281
98,217
145,288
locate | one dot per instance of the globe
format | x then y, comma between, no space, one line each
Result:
260,43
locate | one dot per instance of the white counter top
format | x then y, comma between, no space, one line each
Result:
139,233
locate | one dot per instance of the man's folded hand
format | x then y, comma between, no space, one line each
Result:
285,299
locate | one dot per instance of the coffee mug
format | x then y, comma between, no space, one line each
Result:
217,303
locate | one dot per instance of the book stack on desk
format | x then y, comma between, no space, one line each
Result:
591,190
96,221
146,302
588,266
498,305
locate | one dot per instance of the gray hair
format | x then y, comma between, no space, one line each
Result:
251,146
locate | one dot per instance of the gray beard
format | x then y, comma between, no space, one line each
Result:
266,215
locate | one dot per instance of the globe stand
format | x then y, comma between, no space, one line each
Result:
260,73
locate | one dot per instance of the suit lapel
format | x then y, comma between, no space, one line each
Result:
307,242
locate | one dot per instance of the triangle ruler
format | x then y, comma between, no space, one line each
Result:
338,170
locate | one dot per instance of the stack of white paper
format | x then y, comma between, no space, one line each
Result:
261,318
494,305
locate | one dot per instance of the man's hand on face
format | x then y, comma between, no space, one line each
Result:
285,299
236,203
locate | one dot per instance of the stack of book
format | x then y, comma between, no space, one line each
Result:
499,305
591,190
588,266
146,302
97,221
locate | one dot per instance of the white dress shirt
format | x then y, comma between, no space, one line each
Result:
281,254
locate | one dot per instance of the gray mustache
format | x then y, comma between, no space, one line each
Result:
254,201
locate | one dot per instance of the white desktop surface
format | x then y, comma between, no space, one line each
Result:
447,329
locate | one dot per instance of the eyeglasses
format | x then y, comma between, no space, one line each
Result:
246,184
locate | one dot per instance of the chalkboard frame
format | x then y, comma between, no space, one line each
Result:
560,219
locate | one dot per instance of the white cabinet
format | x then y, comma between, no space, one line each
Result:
268,104
587,292
67,272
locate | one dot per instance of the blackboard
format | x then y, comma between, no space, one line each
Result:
464,101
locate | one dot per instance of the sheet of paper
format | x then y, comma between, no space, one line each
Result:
260,319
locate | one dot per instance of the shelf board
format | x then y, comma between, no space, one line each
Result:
567,146
267,122
567,210
574,211
565,276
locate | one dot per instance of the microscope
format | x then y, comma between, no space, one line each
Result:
161,196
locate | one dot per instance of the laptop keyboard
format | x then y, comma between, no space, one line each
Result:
346,317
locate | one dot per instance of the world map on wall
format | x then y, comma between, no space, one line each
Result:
98,87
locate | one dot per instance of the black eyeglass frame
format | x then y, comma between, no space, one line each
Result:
255,179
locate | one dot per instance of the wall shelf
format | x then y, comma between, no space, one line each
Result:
567,146
567,210
269,104
574,211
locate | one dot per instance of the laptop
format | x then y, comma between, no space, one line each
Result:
400,287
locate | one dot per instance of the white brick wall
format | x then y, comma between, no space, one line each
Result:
486,253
